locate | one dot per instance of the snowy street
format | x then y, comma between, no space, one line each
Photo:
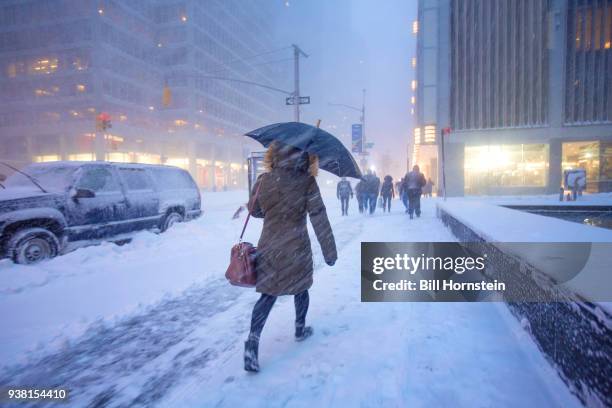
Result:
164,328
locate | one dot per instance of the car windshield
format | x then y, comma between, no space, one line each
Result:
51,178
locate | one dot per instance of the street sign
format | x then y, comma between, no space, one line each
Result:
357,138
304,100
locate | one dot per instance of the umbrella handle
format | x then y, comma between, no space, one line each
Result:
318,123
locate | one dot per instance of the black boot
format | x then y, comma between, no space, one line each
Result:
303,332
251,351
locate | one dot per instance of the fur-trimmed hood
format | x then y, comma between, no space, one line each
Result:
290,158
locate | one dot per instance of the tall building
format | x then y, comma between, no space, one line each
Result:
524,85
147,64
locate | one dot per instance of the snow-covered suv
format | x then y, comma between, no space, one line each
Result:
45,206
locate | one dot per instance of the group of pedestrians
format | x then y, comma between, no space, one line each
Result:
369,191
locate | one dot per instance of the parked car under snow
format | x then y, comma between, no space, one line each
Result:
45,206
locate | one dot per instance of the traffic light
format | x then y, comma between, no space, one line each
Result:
103,121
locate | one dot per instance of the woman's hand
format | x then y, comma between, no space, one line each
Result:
330,262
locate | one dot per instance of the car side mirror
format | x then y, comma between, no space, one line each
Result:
83,193
2,177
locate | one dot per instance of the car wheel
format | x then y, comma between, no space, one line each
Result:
171,219
32,245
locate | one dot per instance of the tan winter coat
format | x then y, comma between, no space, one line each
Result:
288,193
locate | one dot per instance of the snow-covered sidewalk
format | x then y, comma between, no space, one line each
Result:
171,328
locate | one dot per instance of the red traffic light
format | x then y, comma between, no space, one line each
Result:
103,116
446,130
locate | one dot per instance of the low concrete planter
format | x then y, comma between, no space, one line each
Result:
575,337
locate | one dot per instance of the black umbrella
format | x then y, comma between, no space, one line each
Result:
333,156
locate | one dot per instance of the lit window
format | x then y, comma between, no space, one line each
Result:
80,87
78,64
413,100
42,92
180,122
414,62
413,85
46,158
183,18
100,11
44,66
415,27
151,108
182,162
122,118
417,135
82,157
520,165
11,70
430,134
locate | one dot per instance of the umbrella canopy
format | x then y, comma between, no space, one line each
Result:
333,156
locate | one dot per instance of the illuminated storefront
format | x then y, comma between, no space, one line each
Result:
496,167
593,156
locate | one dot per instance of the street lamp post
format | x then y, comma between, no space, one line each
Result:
362,110
296,80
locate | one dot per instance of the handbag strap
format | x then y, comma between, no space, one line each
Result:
249,214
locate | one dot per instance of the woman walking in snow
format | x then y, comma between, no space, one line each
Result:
287,194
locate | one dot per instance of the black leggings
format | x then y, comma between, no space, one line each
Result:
264,306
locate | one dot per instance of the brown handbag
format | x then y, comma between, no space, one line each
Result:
241,270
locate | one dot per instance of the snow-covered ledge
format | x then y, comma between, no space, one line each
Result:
572,335
498,225
495,223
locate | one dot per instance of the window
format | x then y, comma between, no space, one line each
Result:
44,66
98,179
583,155
172,179
135,179
505,166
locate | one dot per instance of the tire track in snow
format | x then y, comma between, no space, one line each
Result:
115,366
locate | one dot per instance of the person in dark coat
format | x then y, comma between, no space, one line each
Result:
428,188
403,194
288,193
372,189
361,196
413,184
344,191
387,192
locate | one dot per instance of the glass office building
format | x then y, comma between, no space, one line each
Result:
63,62
526,88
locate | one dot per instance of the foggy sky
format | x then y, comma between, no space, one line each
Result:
355,44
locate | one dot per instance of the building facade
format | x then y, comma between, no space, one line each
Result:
525,87
147,64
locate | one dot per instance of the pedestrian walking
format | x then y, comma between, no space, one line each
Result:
361,196
428,188
288,192
387,192
413,185
344,191
373,190
403,194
